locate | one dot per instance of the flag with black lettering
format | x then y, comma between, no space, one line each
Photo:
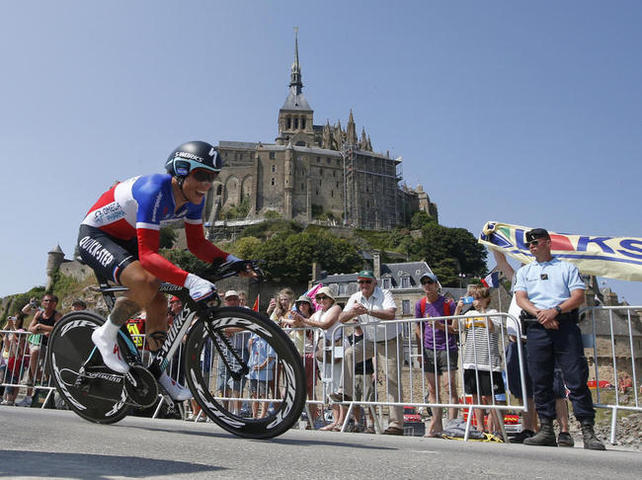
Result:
600,255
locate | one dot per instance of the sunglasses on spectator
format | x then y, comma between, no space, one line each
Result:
204,176
427,282
534,243
367,282
320,297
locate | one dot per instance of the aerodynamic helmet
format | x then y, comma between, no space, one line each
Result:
192,155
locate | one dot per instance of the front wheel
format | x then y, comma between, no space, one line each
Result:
245,373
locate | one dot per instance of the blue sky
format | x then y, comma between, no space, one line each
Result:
521,112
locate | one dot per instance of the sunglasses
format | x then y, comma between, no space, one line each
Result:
320,297
204,176
367,282
427,282
534,243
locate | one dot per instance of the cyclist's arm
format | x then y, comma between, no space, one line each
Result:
152,261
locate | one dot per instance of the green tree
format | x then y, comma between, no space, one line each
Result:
451,250
186,260
167,237
245,247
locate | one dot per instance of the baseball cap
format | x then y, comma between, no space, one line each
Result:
366,274
231,293
429,275
536,233
174,298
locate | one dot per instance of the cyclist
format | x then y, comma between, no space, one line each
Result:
120,235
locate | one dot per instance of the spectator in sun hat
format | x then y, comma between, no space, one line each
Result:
327,318
372,305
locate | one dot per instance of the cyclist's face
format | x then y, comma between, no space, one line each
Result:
197,184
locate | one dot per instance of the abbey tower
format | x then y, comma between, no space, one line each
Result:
313,173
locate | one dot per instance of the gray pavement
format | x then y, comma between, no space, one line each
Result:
58,444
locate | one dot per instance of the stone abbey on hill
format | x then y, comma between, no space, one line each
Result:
313,173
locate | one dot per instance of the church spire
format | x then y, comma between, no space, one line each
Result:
296,80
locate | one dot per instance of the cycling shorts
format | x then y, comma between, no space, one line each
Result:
106,255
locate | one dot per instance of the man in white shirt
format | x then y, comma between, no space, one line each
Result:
372,305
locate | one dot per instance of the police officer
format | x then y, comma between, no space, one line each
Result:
549,291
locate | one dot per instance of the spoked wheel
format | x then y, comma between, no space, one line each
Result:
221,387
98,394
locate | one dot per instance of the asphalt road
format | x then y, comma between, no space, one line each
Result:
58,444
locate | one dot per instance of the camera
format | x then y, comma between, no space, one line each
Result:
467,300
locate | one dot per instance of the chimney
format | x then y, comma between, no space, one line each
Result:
376,265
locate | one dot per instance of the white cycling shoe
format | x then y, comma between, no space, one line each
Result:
174,389
104,337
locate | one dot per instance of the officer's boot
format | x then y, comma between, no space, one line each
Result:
546,435
588,436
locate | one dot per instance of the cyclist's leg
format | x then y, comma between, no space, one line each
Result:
143,288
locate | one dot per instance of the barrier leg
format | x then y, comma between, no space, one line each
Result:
613,425
44,404
468,423
160,404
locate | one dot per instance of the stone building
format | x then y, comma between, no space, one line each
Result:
313,173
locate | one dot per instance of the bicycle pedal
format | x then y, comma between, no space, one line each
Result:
141,386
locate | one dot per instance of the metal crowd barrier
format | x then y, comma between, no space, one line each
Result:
23,364
613,335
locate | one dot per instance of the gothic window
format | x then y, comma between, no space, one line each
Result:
271,155
317,192
405,307
273,182
386,282
303,123
296,123
405,281
332,193
288,123
273,168
337,184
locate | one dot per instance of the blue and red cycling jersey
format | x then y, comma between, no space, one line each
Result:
136,208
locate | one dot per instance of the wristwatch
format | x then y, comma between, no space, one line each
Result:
558,309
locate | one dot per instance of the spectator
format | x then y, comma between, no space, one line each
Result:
238,339
440,348
529,419
481,359
41,326
303,310
243,298
261,374
17,363
327,318
78,305
549,291
279,307
370,305
364,387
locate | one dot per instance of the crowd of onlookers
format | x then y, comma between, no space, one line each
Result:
361,362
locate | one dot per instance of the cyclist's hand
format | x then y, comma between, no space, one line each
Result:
199,289
244,268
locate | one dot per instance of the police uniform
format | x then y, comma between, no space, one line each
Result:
548,284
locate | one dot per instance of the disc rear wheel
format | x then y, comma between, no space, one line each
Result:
96,394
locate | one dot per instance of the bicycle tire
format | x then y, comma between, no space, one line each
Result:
288,360
69,346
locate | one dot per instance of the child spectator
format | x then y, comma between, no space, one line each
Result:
261,365
481,359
